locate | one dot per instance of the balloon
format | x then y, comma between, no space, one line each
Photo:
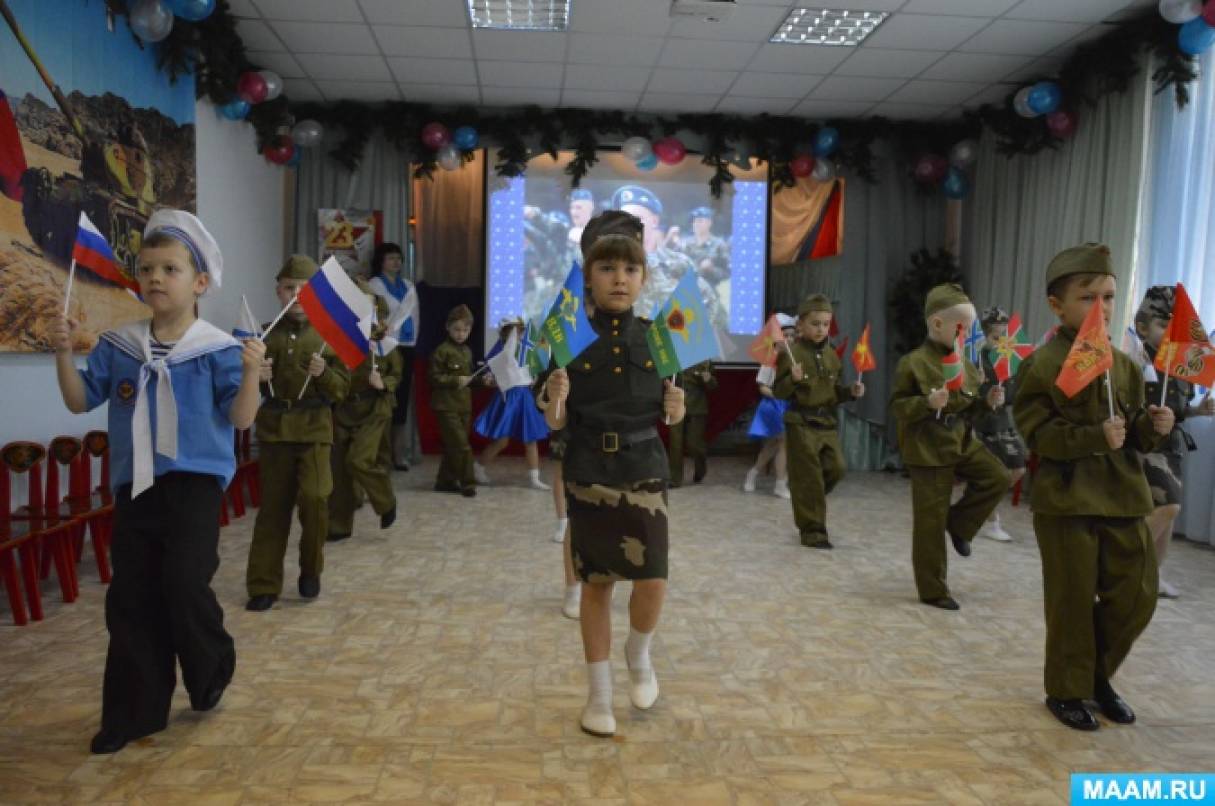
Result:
1208,13
279,150
670,151
236,109
636,148
802,165
191,10
274,84
930,169
1044,97
150,20
824,171
956,186
1021,103
435,136
449,158
648,163
1195,36
297,154
1180,11
307,133
826,141
1061,123
251,87
964,153
465,138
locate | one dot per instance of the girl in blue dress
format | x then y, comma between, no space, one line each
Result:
508,416
768,424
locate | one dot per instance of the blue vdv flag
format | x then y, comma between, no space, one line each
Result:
566,328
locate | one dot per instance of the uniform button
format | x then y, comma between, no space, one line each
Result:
290,351
615,332
617,370
293,335
649,364
616,350
586,364
615,322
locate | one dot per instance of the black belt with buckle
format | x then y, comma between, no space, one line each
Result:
615,441
279,404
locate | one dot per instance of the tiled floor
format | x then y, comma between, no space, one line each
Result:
436,668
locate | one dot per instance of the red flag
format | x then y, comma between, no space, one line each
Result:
842,348
1091,354
764,348
862,354
1185,351
12,155
952,368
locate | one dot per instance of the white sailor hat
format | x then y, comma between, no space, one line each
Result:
187,229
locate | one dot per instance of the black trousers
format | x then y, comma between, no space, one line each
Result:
160,608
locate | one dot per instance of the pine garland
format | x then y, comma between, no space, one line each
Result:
213,51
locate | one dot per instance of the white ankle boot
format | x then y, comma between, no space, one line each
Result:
749,481
480,474
643,688
573,601
781,489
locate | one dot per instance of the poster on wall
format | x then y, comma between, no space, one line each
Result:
350,236
88,125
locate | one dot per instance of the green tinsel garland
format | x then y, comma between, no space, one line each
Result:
214,52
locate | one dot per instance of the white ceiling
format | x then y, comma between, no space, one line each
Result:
929,59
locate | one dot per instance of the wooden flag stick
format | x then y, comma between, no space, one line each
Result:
281,314
300,396
67,293
1109,389
674,385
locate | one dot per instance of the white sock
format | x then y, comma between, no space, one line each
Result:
562,525
637,649
534,474
599,685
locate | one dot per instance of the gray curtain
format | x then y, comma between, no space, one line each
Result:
884,223
451,225
1026,209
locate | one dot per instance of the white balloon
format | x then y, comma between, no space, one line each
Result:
636,148
150,20
274,84
964,153
1180,11
307,133
449,158
1021,103
824,170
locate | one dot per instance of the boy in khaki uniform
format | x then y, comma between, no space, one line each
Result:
688,436
450,375
1090,498
938,444
811,381
359,425
294,436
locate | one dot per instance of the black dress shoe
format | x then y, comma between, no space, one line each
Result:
671,485
447,488
310,587
960,546
468,492
945,603
816,541
388,518
261,602
1113,706
212,698
106,742
336,537
1073,713
401,466
702,468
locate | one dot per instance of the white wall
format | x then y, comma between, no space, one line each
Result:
241,201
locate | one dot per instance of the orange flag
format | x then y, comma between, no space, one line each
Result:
862,355
1091,354
764,348
1185,351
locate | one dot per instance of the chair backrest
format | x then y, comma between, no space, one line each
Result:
97,443
67,452
20,458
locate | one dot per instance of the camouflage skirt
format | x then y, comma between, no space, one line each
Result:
618,533
1163,472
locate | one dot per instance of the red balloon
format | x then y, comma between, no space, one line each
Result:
670,151
280,150
1208,13
1061,123
251,87
931,168
802,165
435,136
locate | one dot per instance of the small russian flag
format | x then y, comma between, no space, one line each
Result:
340,312
93,252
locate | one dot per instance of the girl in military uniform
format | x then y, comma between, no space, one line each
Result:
996,428
1163,465
450,375
615,466
768,424
508,416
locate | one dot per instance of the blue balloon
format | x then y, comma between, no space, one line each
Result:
191,10
649,163
826,141
235,109
1195,36
956,185
465,138
296,156
1044,97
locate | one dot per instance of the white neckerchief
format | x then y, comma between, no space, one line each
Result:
135,340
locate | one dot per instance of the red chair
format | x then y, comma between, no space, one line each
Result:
99,514
62,525
245,476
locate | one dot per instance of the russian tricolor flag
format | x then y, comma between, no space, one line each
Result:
340,312
93,252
